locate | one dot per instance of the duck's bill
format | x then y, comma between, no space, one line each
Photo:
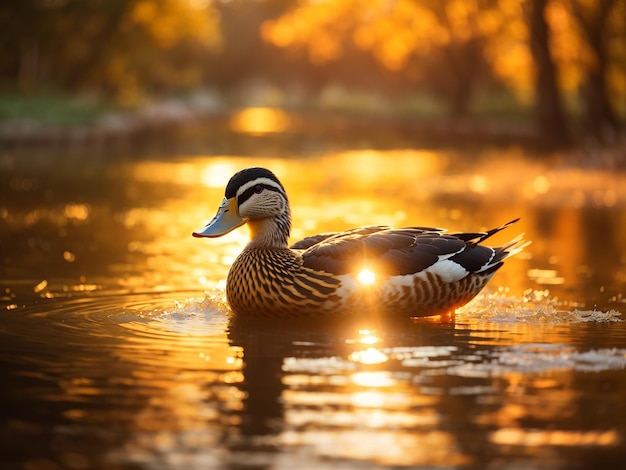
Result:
226,220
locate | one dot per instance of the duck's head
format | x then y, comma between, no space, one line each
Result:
254,196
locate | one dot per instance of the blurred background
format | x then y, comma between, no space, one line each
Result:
541,71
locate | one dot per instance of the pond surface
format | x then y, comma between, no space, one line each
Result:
117,349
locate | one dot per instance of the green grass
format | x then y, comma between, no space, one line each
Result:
500,104
49,108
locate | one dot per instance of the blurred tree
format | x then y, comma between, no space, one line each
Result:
595,75
121,48
245,57
601,22
100,34
436,43
453,47
542,52
550,115
461,50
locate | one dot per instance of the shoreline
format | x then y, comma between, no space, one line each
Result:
177,127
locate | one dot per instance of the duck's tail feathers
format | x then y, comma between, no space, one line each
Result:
515,246
505,251
493,231
475,238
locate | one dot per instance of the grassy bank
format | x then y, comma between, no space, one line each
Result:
335,118
51,109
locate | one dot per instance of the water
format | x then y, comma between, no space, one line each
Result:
118,351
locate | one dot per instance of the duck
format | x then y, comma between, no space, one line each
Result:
411,271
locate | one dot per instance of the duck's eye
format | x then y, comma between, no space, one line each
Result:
258,188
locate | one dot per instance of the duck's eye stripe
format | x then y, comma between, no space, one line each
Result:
243,197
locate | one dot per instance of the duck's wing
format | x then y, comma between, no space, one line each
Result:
393,251
308,242
407,251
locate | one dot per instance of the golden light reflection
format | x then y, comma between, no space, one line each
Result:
174,373
368,356
541,184
368,337
372,166
373,379
479,184
260,121
216,174
77,211
41,286
369,399
366,277
401,447
546,276
536,437
344,412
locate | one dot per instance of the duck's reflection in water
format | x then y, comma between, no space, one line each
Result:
343,390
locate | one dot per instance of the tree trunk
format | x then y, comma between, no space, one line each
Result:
462,59
80,73
599,114
549,108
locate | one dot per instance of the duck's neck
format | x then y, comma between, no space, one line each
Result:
270,233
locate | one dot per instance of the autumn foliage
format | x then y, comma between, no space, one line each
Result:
540,49
558,56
